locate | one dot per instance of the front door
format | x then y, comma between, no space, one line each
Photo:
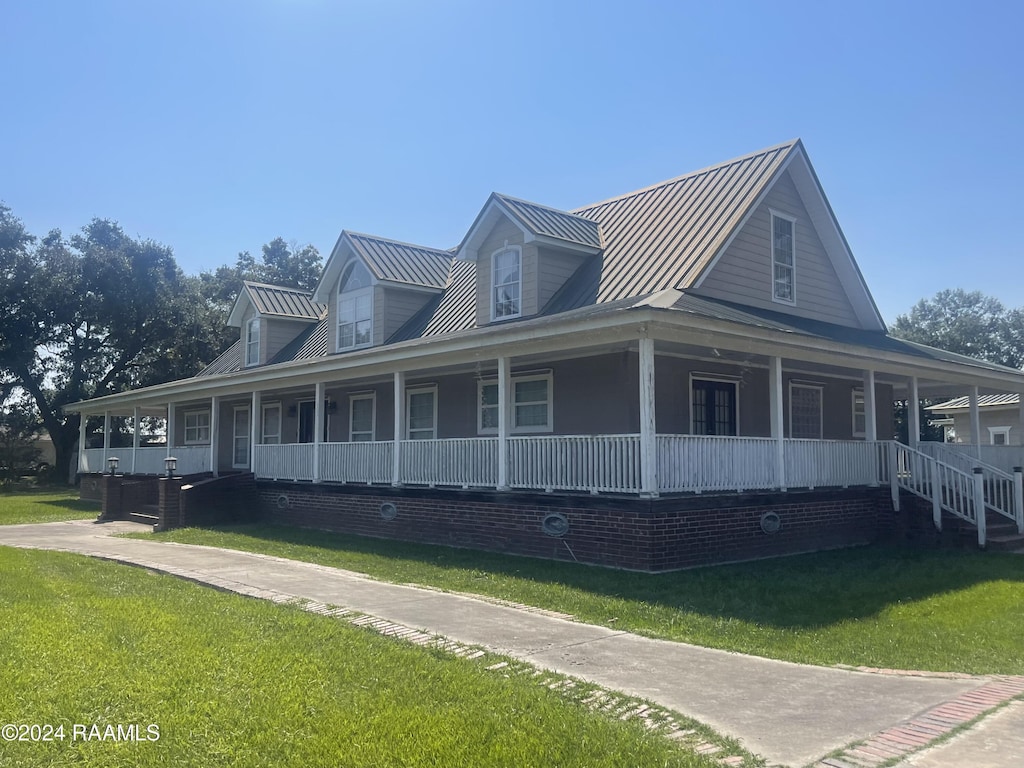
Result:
714,407
307,421
240,438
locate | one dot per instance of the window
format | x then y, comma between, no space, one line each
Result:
859,418
805,411
999,435
240,438
252,342
783,259
421,405
271,424
355,308
714,410
197,427
506,283
362,415
531,407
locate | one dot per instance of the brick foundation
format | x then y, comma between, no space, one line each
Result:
640,534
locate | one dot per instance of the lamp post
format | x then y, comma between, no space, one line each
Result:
112,463
170,464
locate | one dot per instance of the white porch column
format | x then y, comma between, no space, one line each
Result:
1020,407
106,439
648,422
870,408
913,414
135,436
396,453
318,427
504,389
81,439
255,427
214,434
972,399
775,419
170,428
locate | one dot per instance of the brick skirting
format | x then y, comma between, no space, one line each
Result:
640,534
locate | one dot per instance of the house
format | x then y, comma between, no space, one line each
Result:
1000,419
691,372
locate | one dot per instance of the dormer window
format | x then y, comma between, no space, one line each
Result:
783,259
506,283
252,342
355,308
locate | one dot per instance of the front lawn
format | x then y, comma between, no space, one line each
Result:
46,505
876,606
221,679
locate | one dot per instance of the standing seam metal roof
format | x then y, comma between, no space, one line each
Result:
958,403
402,262
276,300
551,222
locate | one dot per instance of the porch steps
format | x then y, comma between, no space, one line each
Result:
148,514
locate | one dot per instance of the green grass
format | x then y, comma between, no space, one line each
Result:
876,606
234,681
45,506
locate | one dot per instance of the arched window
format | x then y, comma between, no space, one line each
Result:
355,308
506,283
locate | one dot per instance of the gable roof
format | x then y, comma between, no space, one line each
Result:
274,301
984,401
399,262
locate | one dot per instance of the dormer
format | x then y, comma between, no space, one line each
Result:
372,286
524,252
270,317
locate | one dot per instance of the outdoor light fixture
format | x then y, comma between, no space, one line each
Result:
170,464
112,463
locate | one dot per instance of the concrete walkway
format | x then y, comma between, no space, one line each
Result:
791,714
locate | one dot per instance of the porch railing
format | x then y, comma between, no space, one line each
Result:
291,461
1000,493
947,487
596,463
192,459
367,462
700,463
842,463
465,462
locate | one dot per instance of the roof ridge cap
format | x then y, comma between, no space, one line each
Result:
434,251
503,196
791,144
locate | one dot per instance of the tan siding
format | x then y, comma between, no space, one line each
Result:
278,333
398,307
502,232
554,267
332,320
380,314
744,273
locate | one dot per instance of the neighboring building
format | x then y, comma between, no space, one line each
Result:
710,334
1001,419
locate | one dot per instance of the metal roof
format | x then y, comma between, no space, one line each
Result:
963,403
401,262
278,301
454,310
666,235
309,344
229,360
551,222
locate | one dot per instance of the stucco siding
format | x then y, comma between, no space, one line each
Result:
744,272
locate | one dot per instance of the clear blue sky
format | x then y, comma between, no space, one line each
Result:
215,126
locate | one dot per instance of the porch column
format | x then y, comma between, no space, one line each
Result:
106,439
870,408
504,387
255,430
170,428
775,418
972,399
81,439
913,415
318,427
135,436
396,451
1020,408
648,422
214,434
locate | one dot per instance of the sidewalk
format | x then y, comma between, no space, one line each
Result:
791,714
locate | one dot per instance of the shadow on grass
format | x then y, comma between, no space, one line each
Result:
797,592
75,505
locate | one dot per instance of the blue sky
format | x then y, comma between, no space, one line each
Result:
216,126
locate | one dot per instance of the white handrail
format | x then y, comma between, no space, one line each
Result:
954,490
998,485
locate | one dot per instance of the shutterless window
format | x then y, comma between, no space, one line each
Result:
805,411
532,409
361,418
355,308
197,427
859,418
422,407
783,259
252,342
271,424
506,283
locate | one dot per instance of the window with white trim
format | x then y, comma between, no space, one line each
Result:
355,308
783,258
859,413
271,424
532,406
805,411
421,413
506,283
252,342
197,427
999,435
362,417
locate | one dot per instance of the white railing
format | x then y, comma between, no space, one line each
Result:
698,463
366,462
1002,457
998,484
93,460
825,463
192,459
292,461
595,463
947,487
465,462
